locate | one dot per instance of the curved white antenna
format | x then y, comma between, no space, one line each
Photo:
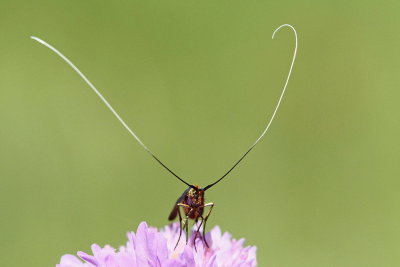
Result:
276,108
286,82
107,104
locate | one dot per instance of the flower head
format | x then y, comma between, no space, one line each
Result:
150,247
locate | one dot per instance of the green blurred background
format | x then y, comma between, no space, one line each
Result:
198,80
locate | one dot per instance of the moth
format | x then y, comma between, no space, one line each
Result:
192,201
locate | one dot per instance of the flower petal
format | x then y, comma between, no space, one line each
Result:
153,248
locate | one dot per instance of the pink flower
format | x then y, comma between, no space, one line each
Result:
148,247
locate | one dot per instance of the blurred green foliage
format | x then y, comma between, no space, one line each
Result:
198,80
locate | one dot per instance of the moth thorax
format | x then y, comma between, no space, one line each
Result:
196,193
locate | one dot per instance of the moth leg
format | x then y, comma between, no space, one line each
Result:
198,229
185,222
180,227
187,225
211,205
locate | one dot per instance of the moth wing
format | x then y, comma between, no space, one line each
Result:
174,211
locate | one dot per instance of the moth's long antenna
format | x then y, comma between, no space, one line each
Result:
108,105
276,108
